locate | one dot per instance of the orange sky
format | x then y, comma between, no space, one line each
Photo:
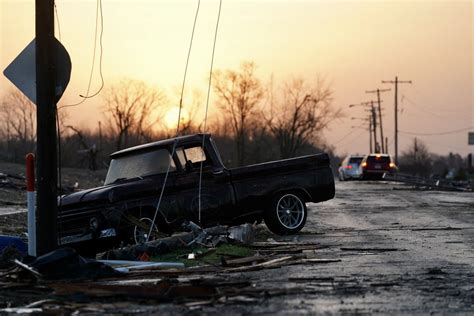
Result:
354,44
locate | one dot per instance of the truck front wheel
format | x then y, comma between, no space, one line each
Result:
287,214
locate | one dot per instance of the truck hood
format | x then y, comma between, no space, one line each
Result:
94,194
112,193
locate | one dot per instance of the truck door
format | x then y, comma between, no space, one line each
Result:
216,200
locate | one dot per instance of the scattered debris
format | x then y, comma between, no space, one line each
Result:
384,284
209,237
422,183
244,233
436,228
436,271
13,241
8,255
242,261
66,263
370,249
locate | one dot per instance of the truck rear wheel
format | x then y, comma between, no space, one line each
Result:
287,214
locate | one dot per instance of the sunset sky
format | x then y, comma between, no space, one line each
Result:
353,44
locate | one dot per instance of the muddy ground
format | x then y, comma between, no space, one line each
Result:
401,251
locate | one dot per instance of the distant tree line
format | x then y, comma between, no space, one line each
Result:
254,121
417,160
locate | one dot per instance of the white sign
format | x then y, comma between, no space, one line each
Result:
22,70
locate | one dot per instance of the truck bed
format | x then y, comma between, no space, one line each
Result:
311,172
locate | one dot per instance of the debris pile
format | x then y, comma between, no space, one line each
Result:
203,267
11,181
422,183
209,238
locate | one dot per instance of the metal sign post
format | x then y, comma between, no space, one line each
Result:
31,203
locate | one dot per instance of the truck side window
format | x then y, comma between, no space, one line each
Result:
195,154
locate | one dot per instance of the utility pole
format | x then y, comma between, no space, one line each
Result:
384,148
46,214
372,122
416,151
370,136
374,125
100,135
396,82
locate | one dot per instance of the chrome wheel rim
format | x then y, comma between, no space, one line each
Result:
140,234
290,211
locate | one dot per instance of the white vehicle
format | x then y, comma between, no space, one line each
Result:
349,168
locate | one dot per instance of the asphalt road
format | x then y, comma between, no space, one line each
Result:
402,252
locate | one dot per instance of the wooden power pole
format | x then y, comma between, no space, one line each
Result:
374,125
370,136
46,214
396,82
384,148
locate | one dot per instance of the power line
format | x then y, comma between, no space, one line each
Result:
429,142
57,21
157,209
372,125
424,110
355,137
440,133
343,137
186,67
99,12
207,103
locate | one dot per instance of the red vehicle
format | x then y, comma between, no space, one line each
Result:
373,166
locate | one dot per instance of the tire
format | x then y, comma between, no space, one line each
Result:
140,233
287,214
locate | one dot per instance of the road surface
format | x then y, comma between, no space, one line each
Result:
401,251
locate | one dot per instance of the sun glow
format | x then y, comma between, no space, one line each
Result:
171,117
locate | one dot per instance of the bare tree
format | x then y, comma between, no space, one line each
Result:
18,121
134,109
190,108
416,159
298,113
89,152
239,94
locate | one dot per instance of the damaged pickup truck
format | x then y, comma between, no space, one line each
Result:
123,209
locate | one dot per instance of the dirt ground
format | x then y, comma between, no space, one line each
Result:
401,251
12,176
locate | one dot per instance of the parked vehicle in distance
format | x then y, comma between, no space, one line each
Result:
373,166
349,168
122,210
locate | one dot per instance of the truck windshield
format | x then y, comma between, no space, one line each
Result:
139,165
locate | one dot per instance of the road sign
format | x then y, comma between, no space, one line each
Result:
22,70
470,138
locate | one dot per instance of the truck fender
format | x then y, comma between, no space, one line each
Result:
302,192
